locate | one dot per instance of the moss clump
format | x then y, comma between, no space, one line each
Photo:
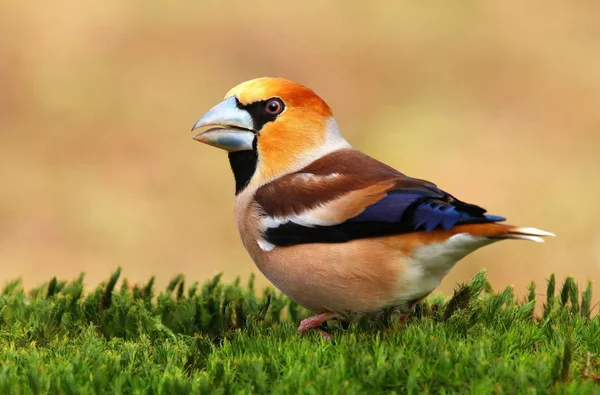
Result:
222,338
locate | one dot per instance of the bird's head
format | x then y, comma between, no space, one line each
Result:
270,127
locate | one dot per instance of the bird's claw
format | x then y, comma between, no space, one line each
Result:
314,322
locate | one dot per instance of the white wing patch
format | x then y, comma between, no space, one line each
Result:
265,245
307,218
312,177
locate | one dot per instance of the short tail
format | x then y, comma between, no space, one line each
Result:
517,233
498,231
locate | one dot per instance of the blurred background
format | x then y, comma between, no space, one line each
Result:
498,103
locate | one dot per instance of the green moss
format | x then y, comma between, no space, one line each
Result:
223,338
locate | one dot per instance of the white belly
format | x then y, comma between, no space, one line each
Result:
429,265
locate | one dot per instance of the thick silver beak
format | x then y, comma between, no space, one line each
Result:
234,129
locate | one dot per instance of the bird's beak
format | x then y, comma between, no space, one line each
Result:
234,129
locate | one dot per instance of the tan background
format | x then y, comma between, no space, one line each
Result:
499,103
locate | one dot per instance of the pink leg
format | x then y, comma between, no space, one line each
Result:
314,321
326,335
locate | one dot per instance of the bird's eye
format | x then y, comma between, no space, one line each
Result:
274,106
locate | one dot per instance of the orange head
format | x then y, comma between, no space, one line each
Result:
271,127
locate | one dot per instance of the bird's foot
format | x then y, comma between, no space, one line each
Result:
402,319
314,322
326,335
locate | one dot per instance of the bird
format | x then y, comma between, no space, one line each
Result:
337,231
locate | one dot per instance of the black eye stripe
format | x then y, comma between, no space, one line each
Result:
258,112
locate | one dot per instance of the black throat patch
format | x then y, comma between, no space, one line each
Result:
243,165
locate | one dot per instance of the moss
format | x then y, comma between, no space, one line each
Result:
223,338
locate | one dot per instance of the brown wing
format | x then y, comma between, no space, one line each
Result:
347,195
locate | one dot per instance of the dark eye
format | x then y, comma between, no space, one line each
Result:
274,106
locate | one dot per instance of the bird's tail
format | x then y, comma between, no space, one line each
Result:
533,234
496,231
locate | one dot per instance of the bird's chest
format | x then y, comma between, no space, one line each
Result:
274,264
249,225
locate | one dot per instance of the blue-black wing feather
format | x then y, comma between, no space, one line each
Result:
402,210
421,211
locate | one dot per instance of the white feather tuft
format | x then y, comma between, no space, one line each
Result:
537,239
532,232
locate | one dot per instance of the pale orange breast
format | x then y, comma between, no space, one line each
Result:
358,276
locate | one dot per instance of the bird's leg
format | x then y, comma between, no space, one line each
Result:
413,306
326,335
402,319
314,322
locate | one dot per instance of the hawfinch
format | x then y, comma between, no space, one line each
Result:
337,231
